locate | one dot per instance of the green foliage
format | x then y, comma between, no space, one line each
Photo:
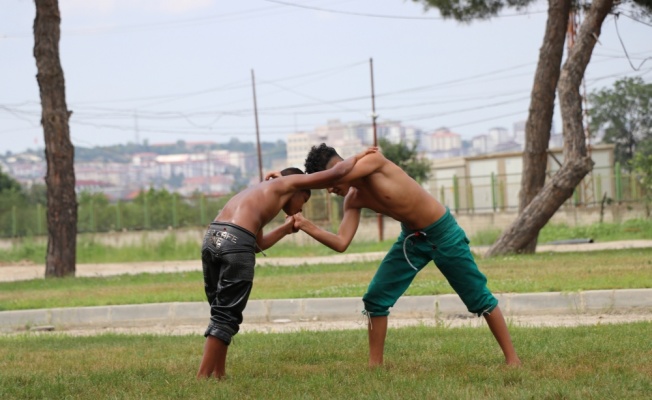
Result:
468,10
7,183
15,218
24,213
625,114
406,158
642,167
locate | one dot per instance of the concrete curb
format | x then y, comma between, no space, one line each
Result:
327,309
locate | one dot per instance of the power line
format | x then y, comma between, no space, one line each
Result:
623,45
164,25
242,84
384,16
635,19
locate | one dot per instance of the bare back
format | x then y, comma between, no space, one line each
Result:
388,190
254,207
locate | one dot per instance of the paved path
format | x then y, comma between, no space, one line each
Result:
24,272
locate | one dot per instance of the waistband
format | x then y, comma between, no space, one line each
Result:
234,226
227,236
438,229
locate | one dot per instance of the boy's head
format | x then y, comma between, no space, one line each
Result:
320,158
299,198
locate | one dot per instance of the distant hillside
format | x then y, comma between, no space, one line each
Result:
122,153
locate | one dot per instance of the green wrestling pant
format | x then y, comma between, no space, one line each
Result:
443,242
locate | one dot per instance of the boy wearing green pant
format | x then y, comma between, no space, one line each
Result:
429,232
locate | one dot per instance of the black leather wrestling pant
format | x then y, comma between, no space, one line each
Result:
228,260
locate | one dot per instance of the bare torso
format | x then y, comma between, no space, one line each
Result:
254,207
390,191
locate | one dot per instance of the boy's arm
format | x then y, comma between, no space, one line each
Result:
338,242
265,241
330,177
365,167
337,172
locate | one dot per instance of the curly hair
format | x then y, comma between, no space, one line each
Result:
318,158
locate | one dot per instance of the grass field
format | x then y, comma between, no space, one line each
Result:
91,251
585,362
544,272
596,362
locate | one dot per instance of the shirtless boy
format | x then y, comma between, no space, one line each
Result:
429,232
234,236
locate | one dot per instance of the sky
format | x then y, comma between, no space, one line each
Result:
169,70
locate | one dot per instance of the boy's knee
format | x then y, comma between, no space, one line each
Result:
372,309
485,307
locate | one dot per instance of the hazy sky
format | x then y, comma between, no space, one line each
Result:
168,70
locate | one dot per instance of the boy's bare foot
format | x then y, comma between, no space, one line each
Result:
514,362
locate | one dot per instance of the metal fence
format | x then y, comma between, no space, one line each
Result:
494,192
156,211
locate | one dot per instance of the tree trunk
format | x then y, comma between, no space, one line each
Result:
576,162
59,152
542,104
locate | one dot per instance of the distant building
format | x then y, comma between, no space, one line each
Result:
499,135
28,169
298,146
347,138
481,144
442,143
442,140
519,133
556,141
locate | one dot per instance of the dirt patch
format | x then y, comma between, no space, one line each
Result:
21,263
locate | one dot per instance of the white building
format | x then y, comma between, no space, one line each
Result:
481,144
347,138
443,140
499,135
519,133
298,146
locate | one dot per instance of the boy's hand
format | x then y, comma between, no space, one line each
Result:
298,221
272,175
290,224
370,150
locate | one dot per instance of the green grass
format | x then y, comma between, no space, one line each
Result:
541,272
92,251
589,362
606,232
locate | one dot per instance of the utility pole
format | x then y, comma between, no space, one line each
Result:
373,123
260,158
136,129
